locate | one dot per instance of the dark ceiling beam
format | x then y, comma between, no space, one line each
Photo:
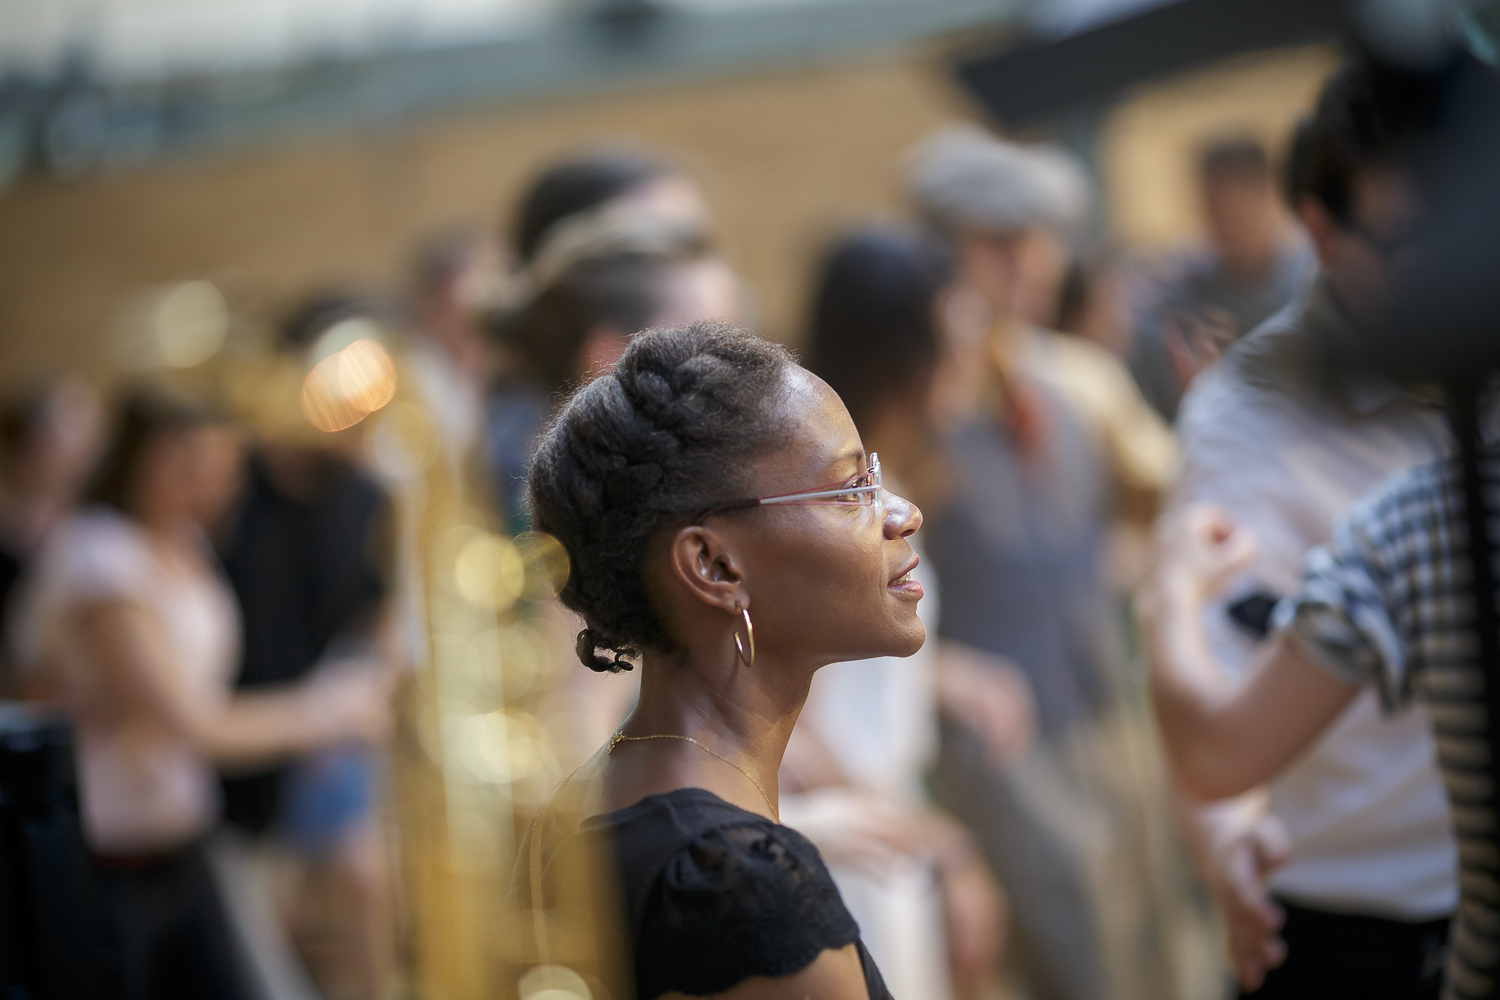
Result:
1036,81
78,124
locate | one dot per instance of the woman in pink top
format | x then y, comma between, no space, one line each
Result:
128,624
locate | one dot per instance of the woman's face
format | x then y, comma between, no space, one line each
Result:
826,581
190,474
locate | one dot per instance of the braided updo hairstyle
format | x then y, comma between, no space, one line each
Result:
647,446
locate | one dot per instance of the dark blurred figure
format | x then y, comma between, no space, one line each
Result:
455,278
1252,266
1348,862
48,439
1399,599
853,775
307,551
614,244
127,624
1095,303
590,179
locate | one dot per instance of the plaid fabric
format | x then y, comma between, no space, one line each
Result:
1388,602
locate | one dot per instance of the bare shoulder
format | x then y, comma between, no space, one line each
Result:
836,974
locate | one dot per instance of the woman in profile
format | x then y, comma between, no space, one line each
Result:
727,529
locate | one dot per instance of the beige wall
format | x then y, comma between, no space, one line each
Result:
1149,144
785,158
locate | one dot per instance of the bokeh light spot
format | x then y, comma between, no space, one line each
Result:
546,564
192,322
490,571
403,442
553,982
499,748
345,387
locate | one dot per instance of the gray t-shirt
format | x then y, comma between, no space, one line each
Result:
1018,551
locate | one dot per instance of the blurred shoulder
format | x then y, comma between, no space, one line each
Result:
1081,358
98,536
1259,384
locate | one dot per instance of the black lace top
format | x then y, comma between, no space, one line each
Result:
715,894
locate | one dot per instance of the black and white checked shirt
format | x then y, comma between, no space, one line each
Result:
1388,602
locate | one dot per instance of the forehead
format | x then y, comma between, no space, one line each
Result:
821,442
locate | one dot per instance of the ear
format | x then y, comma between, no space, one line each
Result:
702,560
1321,229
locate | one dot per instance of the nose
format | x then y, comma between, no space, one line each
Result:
902,517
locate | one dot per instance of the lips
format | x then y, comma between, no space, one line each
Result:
904,584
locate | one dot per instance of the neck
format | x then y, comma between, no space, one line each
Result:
161,526
1006,338
743,713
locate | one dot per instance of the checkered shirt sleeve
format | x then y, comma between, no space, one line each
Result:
1355,613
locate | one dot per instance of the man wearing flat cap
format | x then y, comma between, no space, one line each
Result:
1054,457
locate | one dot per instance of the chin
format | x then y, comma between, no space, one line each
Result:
911,638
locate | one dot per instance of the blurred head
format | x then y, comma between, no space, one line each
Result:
455,277
1095,302
1009,211
48,440
580,323
691,419
1352,173
1241,205
168,461
874,336
589,180
315,315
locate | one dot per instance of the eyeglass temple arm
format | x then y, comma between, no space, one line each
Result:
794,497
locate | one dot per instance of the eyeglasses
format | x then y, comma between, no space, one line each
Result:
863,491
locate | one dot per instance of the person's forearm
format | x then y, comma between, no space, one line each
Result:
952,846
258,728
1224,736
1190,693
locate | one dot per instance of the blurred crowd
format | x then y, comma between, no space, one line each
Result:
216,592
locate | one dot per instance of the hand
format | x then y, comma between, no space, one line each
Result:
975,916
990,696
1238,867
1199,549
351,701
855,828
1195,341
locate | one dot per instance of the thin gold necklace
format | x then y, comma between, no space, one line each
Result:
620,737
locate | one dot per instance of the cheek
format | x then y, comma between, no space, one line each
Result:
824,592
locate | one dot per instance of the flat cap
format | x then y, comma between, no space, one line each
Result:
963,178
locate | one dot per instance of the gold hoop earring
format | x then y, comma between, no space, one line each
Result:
749,640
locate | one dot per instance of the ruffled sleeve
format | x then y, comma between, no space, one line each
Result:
751,899
99,556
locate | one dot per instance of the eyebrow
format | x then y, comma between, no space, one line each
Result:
856,455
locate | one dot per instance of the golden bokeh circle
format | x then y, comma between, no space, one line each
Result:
489,571
546,564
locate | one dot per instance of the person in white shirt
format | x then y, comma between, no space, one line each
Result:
915,881
1285,434
128,625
